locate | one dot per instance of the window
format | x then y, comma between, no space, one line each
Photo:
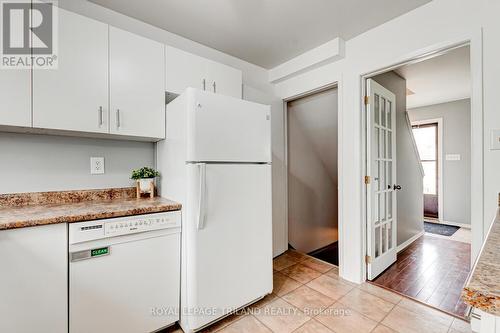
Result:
426,139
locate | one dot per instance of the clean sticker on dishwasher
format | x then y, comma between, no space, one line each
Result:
88,254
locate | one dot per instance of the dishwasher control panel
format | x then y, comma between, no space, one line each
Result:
140,224
120,226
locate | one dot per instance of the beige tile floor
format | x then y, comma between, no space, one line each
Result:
310,297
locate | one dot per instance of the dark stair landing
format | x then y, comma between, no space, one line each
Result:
329,253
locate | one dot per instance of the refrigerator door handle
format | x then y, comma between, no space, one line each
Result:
202,194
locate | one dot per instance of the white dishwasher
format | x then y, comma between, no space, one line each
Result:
124,274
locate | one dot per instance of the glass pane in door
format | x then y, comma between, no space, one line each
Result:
389,238
382,111
382,143
377,242
389,114
382,206
389,205
389,144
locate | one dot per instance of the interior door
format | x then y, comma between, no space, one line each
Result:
381,170
229,237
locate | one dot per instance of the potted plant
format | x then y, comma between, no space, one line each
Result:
145,180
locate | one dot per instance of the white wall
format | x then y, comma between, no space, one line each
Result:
32,163
456,140
438,24
410,199
312,171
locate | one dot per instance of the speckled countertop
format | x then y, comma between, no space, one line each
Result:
41,208
482,290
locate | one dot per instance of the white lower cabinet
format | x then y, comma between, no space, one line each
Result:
137,85
34,279
75,95
482,322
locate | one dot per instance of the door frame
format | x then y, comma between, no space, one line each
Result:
440,189
333,85
477,131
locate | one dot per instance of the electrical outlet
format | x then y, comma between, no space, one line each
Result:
96,165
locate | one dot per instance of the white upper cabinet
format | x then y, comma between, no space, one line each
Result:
75,95
224,79
15,97
184,69
137,85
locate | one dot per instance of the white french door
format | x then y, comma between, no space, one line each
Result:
381,172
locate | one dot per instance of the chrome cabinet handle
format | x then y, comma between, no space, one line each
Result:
118,124
204,83
215,87
100,115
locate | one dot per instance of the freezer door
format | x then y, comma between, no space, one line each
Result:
227,129
229,240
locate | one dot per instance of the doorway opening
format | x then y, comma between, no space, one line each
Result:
312,141
418,155
427,140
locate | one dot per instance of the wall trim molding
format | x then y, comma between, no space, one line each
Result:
409,241
324,54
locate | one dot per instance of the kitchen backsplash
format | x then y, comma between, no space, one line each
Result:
37,163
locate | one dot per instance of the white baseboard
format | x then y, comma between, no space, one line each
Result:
409,241
456,224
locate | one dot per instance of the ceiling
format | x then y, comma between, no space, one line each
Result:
263,32
441,79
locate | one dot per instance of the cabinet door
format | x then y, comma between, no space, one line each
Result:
137,85
34,279
184,70
75,95
224,80
15,94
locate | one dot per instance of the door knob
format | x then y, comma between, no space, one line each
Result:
396,187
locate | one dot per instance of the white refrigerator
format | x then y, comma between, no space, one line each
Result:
216,161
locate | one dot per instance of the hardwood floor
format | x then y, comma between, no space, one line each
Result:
432,270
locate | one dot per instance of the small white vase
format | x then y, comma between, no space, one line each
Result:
145,184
